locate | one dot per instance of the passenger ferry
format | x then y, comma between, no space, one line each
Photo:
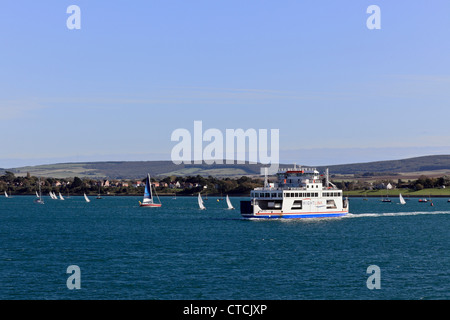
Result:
299,193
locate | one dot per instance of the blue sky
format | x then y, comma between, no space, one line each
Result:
137,70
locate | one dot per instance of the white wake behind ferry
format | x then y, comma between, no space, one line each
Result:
299,193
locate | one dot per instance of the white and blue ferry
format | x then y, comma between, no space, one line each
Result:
299,193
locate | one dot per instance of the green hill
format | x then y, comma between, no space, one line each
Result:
138,169
418,164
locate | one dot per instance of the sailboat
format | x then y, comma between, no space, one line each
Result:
148,197
6,194
99,196
402,201
60,196
387,198
39,199
200,202
230,206
86,198
53,195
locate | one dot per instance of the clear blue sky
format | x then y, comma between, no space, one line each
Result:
137,70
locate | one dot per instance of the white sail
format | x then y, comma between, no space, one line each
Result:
37,195
60,196
6,194
200,202
230,206
86,198
402,201
53,195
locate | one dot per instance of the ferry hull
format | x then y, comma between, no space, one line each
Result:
247,212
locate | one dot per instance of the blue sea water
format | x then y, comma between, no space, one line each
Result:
179,252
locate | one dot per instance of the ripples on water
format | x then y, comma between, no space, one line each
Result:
180,252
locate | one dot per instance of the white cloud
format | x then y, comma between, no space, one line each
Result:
14,109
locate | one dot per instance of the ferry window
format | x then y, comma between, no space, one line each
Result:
267,195
331,204
316,194
280,194
297,204
287,194
308,194
274,195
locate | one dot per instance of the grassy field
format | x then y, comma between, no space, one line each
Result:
435,192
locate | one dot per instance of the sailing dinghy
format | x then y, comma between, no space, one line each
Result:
39,199
230,206
148,196
402,201
86,198
200,202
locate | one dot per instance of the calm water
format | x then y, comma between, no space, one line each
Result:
180,252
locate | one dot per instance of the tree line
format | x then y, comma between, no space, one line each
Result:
188,185
28,185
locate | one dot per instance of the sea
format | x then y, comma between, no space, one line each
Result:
177,252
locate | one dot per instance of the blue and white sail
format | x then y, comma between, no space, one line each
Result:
148,197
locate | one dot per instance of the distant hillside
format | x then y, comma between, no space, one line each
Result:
136,170
139,169
426,163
